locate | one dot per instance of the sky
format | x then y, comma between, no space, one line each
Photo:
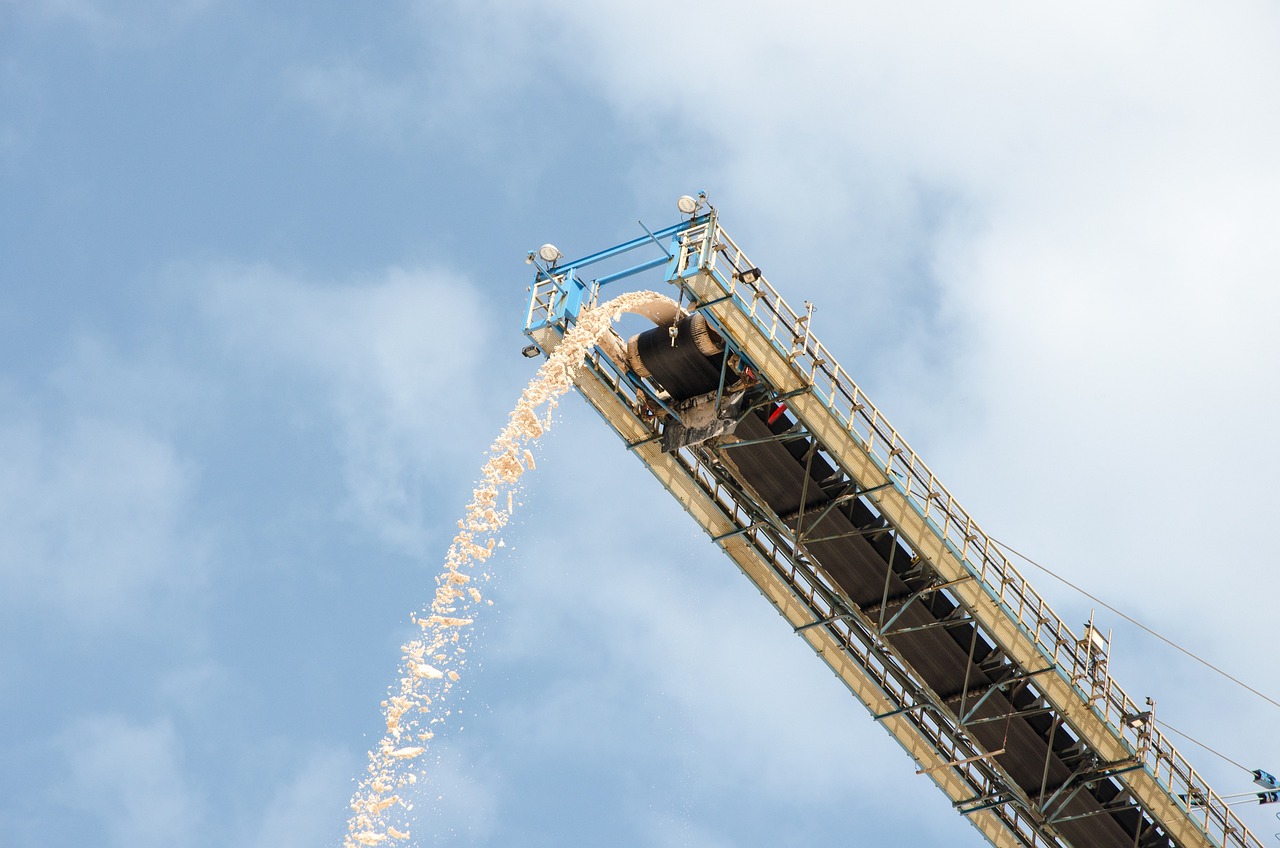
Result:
263,292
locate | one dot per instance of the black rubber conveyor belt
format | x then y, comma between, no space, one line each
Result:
847,546
677,364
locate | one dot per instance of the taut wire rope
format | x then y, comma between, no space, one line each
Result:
1272,701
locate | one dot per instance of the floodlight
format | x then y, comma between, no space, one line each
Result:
550,253
687,204
1137,720
749,276
530,351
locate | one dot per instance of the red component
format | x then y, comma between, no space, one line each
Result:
777,412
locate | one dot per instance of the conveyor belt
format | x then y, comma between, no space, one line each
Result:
780,457
686,371
846,546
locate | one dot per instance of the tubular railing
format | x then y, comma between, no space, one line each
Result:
894,678
706,248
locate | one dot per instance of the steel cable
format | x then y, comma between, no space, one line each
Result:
1139,624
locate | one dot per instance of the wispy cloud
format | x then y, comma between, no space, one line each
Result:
95,519
629,648
395,358
347,94
1040,236
1047,240
130,776
470,69
459,802
307,809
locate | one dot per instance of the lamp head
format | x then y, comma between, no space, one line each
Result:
1137,720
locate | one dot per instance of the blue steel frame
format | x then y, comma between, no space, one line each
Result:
573,290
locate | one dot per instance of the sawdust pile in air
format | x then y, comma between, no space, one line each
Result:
432,663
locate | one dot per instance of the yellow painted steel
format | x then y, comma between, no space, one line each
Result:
1010,636
714,521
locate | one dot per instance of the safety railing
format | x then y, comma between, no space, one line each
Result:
707,248
542,299
897,680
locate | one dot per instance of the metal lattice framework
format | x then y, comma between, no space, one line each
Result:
1043,674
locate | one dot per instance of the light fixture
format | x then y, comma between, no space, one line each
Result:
686,204
530,351
749,276
1136,720
550,253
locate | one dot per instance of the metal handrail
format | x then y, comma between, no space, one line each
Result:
897,680
791,335
705,247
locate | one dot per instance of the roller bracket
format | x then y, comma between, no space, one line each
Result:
700,420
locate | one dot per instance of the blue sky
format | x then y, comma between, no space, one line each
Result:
263,291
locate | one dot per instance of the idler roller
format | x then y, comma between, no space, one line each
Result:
686,364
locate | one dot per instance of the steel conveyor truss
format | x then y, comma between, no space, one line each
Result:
821,503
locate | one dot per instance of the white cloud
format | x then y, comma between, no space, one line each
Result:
1044,234
640,651
195,690
474,65
458,802
348,94
307,809
95,519
131,777
146,389
397,360
1088,195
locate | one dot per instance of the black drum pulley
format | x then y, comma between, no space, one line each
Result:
683,358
